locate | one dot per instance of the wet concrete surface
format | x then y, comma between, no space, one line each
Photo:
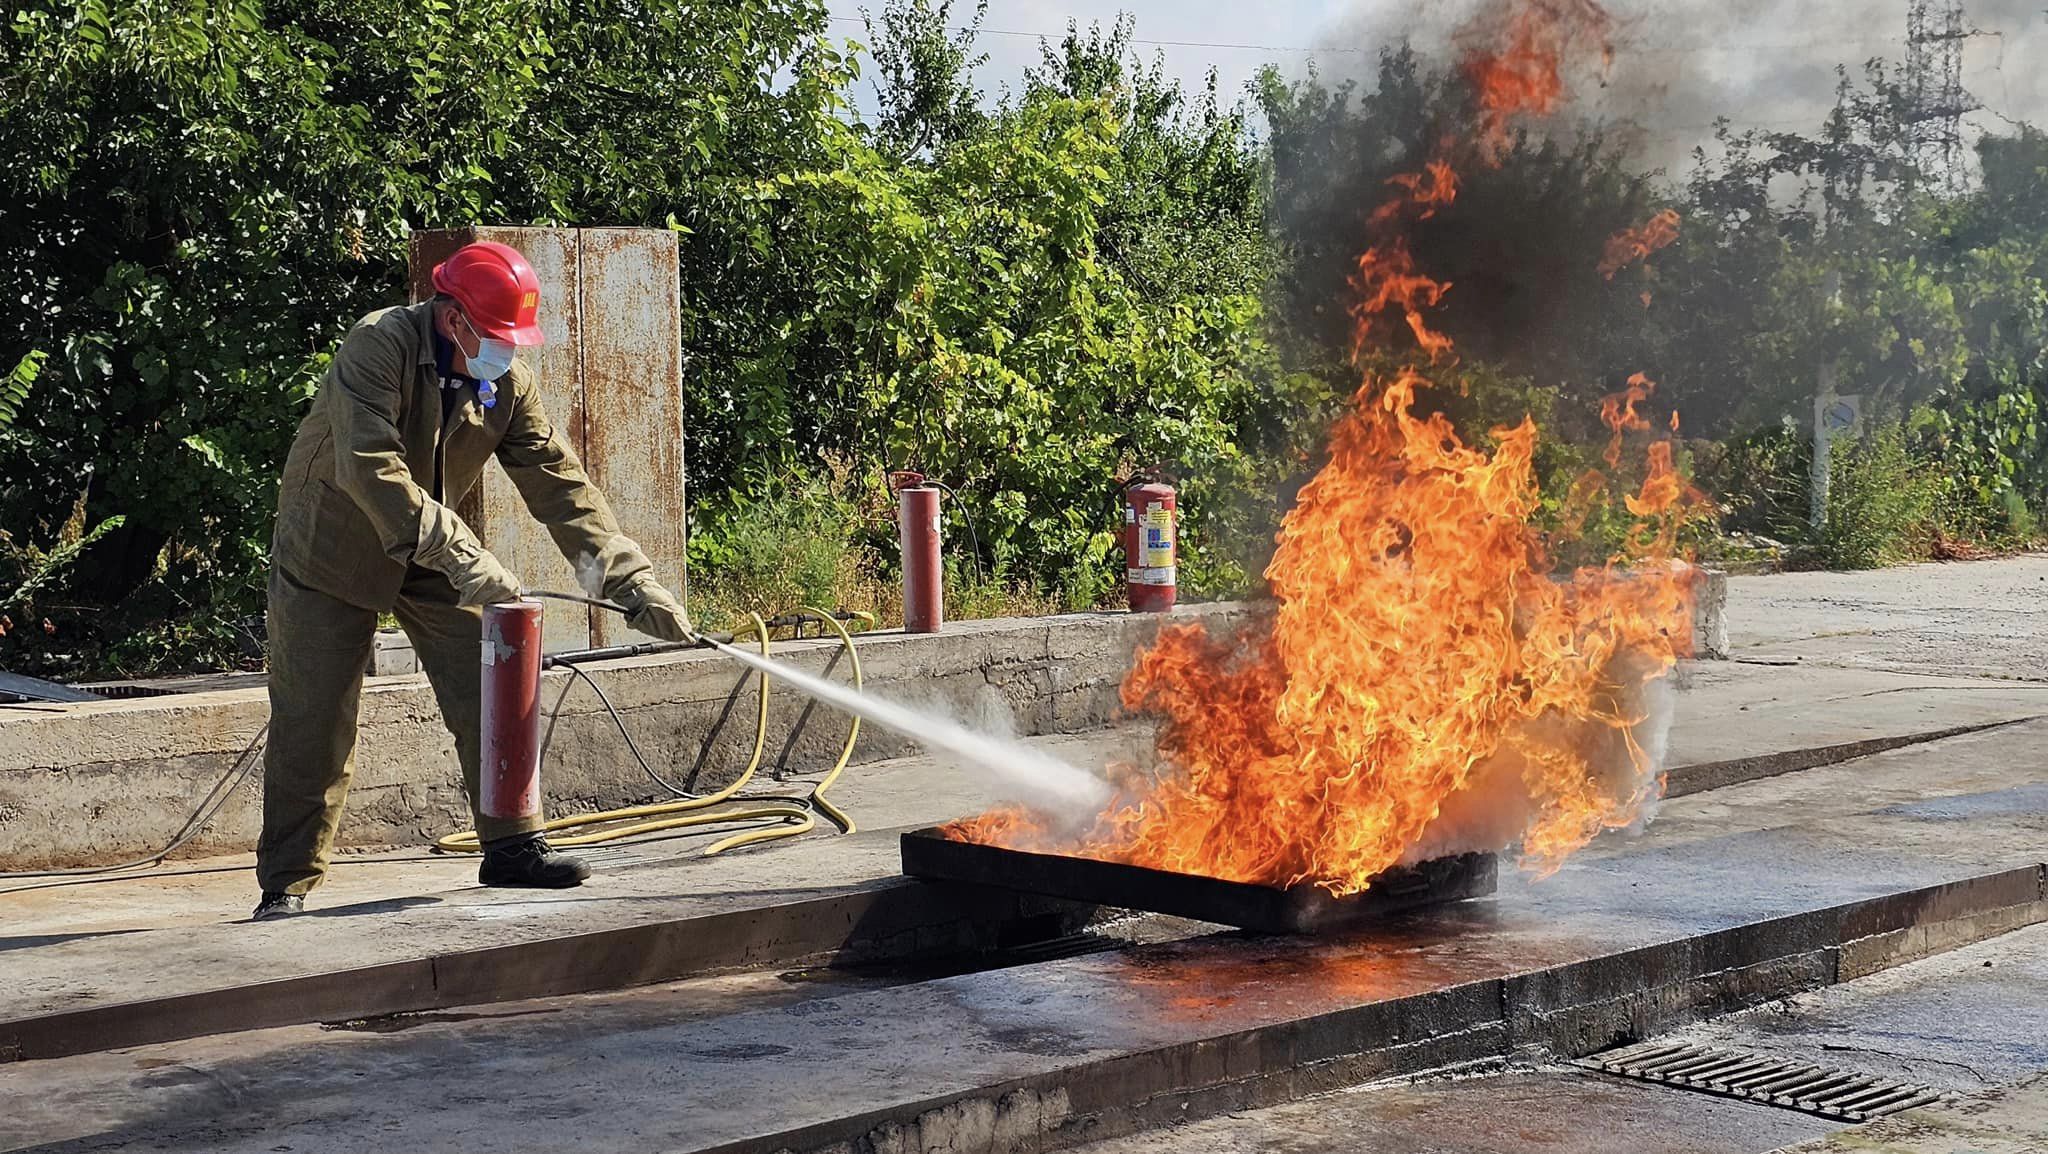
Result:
1628,941
1524,1112
1967,1021
74,947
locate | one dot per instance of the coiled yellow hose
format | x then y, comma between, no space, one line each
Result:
796,816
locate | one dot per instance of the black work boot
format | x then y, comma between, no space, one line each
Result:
278,906
528,860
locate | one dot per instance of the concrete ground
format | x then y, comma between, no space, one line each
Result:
733,1064
1972,1021
1823,663
70,946
1973,619
2009,1120
178,930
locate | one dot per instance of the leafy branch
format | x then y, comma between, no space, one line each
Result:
41,568
14,387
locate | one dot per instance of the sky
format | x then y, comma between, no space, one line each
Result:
1681,63
1296,26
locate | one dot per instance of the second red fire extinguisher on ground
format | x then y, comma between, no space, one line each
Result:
1150,553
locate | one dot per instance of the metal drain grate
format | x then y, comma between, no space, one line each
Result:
1809,1087
128,690
1054,949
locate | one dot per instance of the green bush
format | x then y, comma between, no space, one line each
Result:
1027,313
1992,456
1881,502
972,593
1761,482
801,543
820,537
1026,300
200,197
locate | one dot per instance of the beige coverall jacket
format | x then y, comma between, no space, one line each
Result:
366,524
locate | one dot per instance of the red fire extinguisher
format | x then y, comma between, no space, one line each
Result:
510,783
1149,544
924,583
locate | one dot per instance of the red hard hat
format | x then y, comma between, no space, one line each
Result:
496,289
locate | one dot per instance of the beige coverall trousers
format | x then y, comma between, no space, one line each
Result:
319,649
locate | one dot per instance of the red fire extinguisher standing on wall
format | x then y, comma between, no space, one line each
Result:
924,576
1149,544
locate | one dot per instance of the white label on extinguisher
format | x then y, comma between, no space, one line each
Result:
1156,575
1155,541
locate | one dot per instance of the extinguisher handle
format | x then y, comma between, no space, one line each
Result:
596,603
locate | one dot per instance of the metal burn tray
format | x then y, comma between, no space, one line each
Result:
1301,909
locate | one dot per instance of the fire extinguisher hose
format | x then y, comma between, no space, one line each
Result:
792,815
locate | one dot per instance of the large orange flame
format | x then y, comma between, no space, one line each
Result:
1513,60
1423,682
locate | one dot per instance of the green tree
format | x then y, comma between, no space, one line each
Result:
201,196
924,84
1029,312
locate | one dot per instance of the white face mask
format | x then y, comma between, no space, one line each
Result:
492,358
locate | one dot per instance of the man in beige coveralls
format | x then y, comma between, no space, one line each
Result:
415,402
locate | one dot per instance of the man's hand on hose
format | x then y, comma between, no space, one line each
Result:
485,581
653,610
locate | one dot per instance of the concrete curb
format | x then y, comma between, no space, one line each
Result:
111,781
891,920
1690,779
1569,1010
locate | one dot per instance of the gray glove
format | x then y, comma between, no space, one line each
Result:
485,581
655,611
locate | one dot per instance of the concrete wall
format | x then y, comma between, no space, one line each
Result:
96,783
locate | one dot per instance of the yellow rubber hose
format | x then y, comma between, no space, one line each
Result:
838,816
467,841
795,817
817,799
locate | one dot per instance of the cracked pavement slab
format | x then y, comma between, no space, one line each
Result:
1980,619
1964,1021
2009,1120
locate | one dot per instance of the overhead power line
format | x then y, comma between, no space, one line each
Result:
1139,40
